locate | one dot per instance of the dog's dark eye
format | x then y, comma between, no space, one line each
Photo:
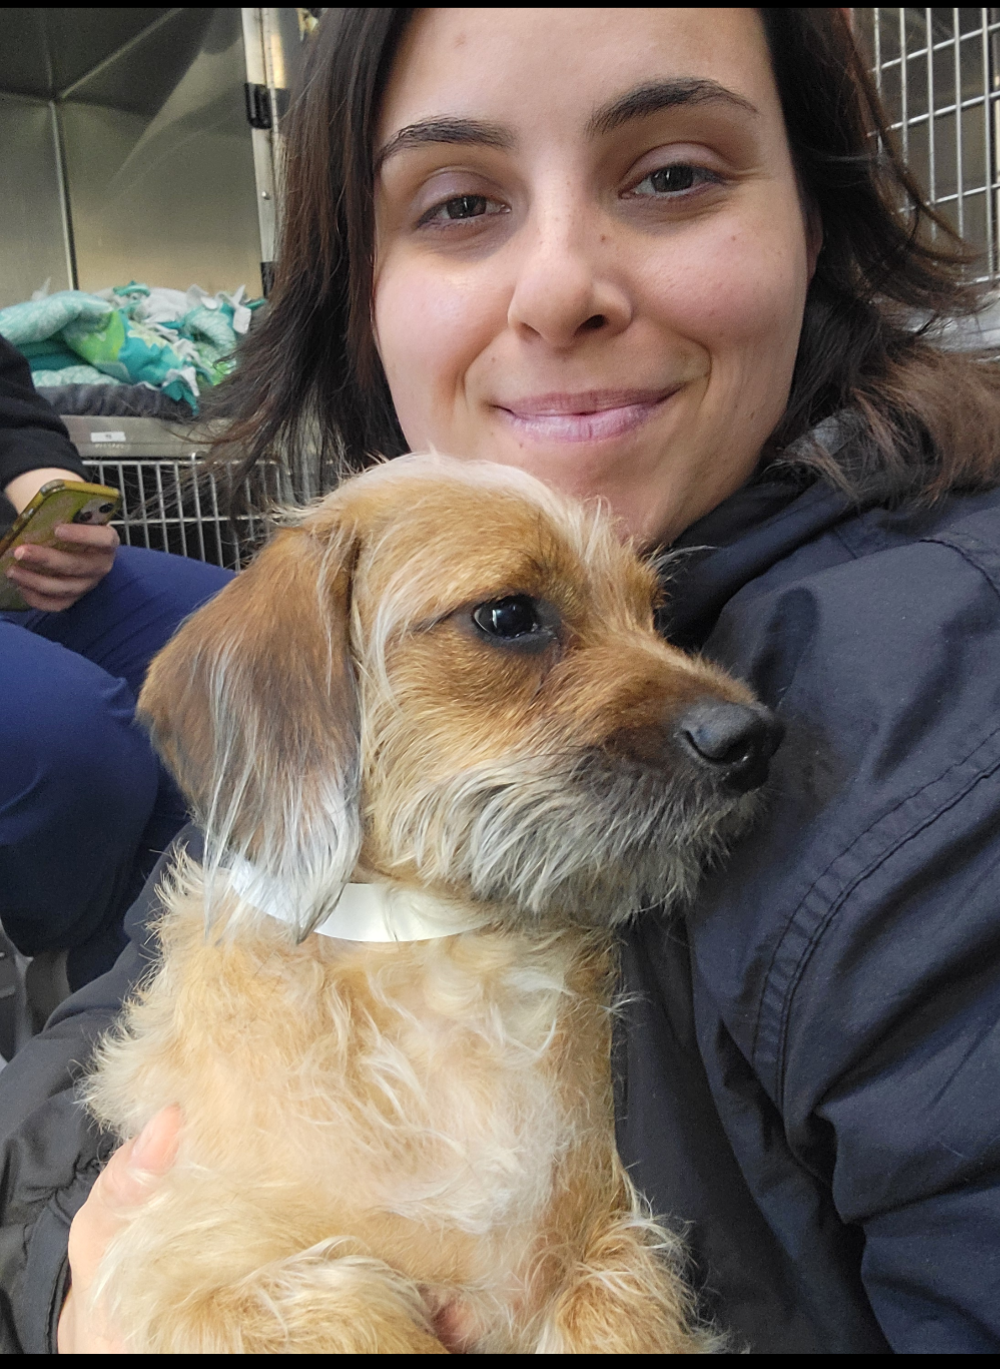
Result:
518,620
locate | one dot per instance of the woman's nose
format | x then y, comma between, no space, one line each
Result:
564,286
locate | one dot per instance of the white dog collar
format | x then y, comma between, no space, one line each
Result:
364,912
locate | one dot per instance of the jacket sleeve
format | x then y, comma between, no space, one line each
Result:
892,1062
52,1150
31,432
888,1059
849,955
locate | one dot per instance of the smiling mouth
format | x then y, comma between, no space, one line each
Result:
592,417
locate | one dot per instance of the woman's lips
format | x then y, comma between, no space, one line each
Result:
590,417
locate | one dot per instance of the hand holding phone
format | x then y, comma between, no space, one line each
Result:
60,547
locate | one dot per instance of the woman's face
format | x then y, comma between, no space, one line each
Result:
591,256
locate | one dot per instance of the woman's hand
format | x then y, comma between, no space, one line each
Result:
129,1177
53,578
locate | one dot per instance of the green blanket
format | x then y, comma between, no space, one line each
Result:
170,340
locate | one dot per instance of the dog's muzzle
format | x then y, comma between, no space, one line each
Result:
727,745
733,742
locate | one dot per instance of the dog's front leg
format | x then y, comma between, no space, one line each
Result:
317,1301
623,1298
311,1303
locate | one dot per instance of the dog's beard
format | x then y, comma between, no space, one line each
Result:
589,839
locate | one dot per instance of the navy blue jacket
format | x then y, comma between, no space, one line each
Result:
811,1073
808,1063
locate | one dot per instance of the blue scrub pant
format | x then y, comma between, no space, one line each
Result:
85,806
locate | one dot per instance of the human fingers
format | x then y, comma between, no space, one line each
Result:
59,562
127,1180
52,578
99,535
53,594
77,547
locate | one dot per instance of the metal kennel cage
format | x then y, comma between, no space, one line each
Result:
937,71
144,144
169,502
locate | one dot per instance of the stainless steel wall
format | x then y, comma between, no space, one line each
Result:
34,244
125,151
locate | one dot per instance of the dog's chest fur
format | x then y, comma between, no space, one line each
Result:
441,1102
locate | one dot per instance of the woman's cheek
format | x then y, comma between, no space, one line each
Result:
430,327
735,297
736,277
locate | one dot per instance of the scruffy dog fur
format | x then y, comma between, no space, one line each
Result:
409,1147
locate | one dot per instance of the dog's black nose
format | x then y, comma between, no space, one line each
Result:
736,740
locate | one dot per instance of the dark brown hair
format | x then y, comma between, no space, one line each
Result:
310,387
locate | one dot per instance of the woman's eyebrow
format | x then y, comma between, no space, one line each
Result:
654,96
646,99
445,130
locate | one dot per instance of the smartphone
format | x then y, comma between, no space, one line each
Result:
58,501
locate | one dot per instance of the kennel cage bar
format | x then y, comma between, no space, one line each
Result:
938,73
170,503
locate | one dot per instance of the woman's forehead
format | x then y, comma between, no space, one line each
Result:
517,66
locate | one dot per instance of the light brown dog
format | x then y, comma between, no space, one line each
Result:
440,686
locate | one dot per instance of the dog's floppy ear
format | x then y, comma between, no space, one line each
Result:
253,707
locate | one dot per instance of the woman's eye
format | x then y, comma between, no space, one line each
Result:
462,207
674,180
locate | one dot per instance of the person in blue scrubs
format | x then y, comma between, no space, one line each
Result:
85,807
